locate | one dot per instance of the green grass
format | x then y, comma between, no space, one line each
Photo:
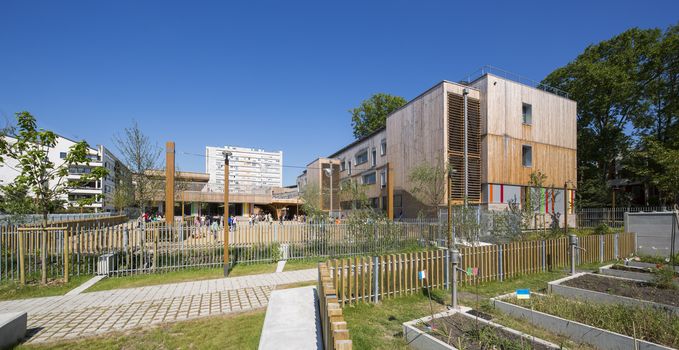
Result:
536,282
241,331
378,326
11,290
252,269
293,265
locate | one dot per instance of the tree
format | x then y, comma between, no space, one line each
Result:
372,113
44,179
429,184
16,202
660,165
353,192
311,197
140,155
123,193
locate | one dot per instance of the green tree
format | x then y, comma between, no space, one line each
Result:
660,166
372,113
16,202
353,192
45,180
123,193
311,202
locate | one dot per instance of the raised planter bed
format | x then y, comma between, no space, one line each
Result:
616,290
645,265
632,272
452,326
579,332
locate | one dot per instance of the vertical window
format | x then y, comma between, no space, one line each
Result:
383,179
349,167
373,156
62,155
343,165
527,155
527,112
383,147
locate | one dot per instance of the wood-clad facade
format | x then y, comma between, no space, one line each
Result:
513,131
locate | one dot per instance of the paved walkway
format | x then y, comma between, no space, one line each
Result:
292,321
63,317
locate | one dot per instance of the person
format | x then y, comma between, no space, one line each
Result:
214,228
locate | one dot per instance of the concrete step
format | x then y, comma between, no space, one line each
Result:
292,321
12,328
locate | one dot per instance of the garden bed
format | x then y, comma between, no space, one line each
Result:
625,287
637,273
604,326
467,329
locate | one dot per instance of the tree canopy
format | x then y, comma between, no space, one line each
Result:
372,113
627,90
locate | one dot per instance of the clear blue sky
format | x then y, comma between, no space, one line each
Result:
279,75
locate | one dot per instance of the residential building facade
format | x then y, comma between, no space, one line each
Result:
249,168
101,189
514,131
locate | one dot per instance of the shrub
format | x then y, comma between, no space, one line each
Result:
664,277
602,229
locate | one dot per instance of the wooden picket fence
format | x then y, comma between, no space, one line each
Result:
369,279
333,325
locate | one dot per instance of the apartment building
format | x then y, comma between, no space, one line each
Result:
250,169
102,189
514,130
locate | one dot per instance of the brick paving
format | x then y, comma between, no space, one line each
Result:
64,317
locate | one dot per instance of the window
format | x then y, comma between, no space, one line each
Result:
383,147
350,167
383,179
343,165
62,155
369,179
373,158
527,112
527,155
362,157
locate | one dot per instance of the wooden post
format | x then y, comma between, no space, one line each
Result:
226,213
169,182
565,208
390,192
22,276
66,255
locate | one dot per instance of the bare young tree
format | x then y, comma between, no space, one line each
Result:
429,184
140,155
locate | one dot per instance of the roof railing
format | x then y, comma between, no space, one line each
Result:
488,69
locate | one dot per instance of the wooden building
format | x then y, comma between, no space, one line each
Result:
513,130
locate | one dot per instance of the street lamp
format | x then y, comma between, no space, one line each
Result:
328,172
226,212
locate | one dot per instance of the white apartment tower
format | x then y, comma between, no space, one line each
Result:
250,169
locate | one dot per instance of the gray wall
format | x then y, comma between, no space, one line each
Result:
654,232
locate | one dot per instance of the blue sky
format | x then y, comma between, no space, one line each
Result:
279,75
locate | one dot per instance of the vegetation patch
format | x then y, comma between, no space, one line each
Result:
11,290
647,324
626,288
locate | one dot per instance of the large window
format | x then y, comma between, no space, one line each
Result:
527,112
362,157
369,178
527,155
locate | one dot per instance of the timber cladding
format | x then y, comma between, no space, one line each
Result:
456,147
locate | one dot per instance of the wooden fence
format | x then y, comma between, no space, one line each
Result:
373,278
333,325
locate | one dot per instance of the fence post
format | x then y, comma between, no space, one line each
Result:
446,270
155,250
376,284
544,255
601,248
616,246
499,262
22,276
65,235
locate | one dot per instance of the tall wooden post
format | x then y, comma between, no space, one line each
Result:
226,213
22,276
390,192
169,182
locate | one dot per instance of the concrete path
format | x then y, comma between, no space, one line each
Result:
280,266
86,314
292,321
81,288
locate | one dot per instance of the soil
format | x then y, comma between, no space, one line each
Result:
638,290
631,269
456,329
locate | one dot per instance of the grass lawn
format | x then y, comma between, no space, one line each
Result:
379,326
236,331
536,282
186,275
293,265
13,290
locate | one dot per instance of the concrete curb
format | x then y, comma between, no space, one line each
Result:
604,298
420,340
12,328
578,332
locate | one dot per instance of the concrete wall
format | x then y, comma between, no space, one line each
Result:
654,232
